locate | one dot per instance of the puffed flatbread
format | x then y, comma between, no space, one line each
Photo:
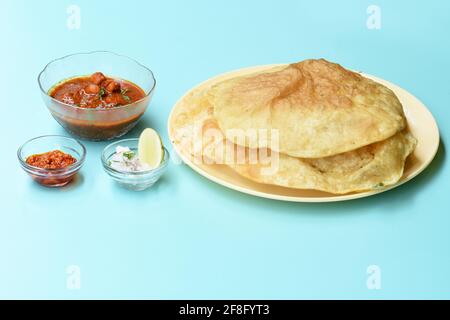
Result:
319,108
197,135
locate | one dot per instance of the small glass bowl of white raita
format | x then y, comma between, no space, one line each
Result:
122,161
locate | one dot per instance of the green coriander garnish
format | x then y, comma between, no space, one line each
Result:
124,95
111,161
101,92
128,154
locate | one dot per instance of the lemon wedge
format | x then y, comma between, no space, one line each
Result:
150,148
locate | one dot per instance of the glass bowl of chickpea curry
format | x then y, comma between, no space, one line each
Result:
98,95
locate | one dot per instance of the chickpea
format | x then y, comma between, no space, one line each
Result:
97,78
113,86
92,89
109,99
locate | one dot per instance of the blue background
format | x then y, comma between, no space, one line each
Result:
188,237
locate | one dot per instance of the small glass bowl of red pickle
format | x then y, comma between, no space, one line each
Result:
52,160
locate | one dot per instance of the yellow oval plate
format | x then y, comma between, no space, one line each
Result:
420,121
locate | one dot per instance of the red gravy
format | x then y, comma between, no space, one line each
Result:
96,92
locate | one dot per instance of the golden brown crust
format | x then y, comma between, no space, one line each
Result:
375,166
369,167
318,107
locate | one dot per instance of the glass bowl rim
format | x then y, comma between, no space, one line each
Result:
90,53
73,167
161,167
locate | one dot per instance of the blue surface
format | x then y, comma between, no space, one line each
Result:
188,237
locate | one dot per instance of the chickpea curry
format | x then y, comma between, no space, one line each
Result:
97,91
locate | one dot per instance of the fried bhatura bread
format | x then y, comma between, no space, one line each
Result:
319,108
373,166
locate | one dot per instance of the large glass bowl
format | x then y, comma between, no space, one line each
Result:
96,124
